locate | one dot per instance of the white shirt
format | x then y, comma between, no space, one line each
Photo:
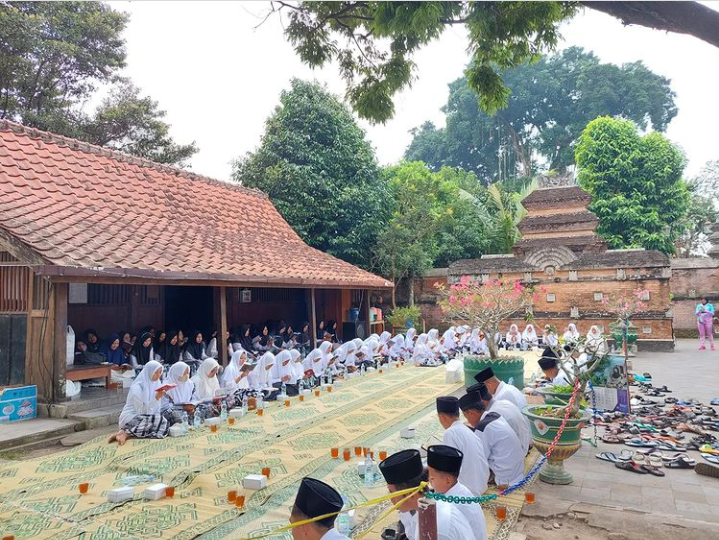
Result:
515,419
473,512
332,534
409,522
451,523
561,379
474,473
504,451
511,393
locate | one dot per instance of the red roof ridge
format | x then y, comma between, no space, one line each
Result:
76,144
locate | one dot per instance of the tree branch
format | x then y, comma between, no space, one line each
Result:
691,18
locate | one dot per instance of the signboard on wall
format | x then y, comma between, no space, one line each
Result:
77,293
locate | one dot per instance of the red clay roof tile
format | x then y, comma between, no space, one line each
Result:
81,207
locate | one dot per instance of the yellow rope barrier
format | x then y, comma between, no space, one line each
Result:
408,492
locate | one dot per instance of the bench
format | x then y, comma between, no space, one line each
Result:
83,373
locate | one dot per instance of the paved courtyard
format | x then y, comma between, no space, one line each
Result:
606,502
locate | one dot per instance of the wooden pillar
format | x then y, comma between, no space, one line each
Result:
313,319
427,519
220,306
366,305
59,355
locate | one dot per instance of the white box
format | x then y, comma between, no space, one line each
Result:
306,392
155,491
237,413
212,421
177,430
121,494
254,481
407,433
360,467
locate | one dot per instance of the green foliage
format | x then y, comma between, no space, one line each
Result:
551,102
399,316
638,193
320,172
374,43
55,55
702,211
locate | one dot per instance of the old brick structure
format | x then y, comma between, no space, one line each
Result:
561,254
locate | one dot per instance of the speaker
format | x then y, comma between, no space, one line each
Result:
352,330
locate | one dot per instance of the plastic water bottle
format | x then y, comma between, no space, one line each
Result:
223,411
343,520
368,471
185,421
196,421
260,401
245,404
284,389
363,370
301,385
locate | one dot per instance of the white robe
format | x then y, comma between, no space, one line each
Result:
504,451
474,473
332,534
472,512
141,398
515,419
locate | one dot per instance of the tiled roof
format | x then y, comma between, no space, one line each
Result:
556,196
556,221
86,210
470,267
567,241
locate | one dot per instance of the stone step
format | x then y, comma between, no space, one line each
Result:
90,399
35,431
100,417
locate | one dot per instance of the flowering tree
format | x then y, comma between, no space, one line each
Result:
484,305
624,306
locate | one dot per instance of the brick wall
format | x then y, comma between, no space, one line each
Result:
692,278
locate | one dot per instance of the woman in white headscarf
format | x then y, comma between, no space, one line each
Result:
235,380
529,337
384,337
448,343
433,336
409,341
283,373
514,338
313,367
329,357
184,390
265,368
141,416
595,343
396,351
571,336
206,383
422,352
297,368
549,338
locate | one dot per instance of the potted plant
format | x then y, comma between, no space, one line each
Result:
485,305
404,317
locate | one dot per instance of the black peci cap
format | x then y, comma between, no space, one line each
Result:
469,399
547,362
444,458
315,498
482,389
448,404
484,375
402,466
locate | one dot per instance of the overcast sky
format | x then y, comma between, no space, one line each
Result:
218,77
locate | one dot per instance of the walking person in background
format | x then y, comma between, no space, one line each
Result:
705,323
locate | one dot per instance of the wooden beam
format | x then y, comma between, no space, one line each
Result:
59,357
28,331
366,310
313,319
220,307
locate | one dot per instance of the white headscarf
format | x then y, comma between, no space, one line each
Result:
409,339
433,335
514,337
313,362
384,337
266,367
143,389
233,370
373,348
326,349
449,340
572,334
206,387
396,350
296,364
185,389
530,334
283,366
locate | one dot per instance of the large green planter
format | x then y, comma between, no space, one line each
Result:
544,430
509,369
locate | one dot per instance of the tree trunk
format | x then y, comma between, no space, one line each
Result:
520,149
492,343
690,18
410,289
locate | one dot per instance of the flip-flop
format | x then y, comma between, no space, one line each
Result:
654,461
648,376
707,449
653,470
680,463
679,455
608,456
630,466
711,458
611,439
639,443
714,401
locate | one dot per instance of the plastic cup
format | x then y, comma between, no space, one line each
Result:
8,537
83,487
335,453
346,454
529,497
501,513
329,389
287,403
317,392
381,370
231,496
260,412
382,455
170,492
213,428
231,420
302,398
266,472
502,487
240,501
365,451
358,451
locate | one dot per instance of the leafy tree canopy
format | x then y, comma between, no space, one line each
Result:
703,210
551,102
636,183
320,172
374,43
54,56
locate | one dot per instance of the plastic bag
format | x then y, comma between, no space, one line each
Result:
70,345
454,370
72,388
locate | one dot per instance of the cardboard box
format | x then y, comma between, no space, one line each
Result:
155,492
18,404
121,494
254,481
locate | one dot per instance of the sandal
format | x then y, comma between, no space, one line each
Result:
655,461
630,466
707,470
611,439
608,456
653,470
711,458
680,463
639,443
